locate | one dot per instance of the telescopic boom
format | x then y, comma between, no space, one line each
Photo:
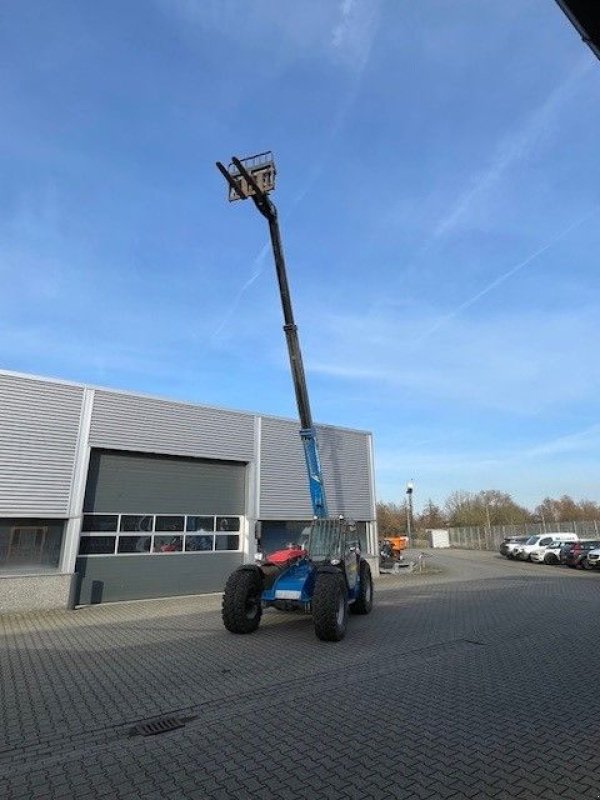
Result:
255,177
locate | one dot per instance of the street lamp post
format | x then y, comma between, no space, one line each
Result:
409,512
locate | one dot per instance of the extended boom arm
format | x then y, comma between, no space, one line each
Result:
249,187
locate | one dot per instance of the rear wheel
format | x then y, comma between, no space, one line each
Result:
364,600
242,608
330,607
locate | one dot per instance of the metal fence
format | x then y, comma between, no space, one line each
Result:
490,538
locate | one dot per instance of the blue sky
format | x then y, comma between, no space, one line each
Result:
438,188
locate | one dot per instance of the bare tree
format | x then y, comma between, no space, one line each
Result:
391,520
430,517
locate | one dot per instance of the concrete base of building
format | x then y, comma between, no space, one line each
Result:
374,564
35,592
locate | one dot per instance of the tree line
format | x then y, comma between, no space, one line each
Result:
482,509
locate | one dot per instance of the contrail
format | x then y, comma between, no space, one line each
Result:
506,275
513,147
256,273
336,126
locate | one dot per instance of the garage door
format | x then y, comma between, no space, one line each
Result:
155,526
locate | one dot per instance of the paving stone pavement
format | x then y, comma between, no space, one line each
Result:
480,682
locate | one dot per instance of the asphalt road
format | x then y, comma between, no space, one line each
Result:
480,682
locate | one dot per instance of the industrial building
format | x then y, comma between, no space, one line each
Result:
108,495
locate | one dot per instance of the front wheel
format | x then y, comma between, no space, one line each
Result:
364,599
550,558
330,607
242,608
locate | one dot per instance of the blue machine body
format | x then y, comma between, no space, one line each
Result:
294,586
313,469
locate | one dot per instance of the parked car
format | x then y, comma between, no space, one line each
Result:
593,559
537,543
510,542
550,554
574,554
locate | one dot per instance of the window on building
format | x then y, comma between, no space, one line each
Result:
134,544
200,543
227,542
134,534
136,522
275,535
200,524
167,544
169,523
228,523
100,523
30,544
97,545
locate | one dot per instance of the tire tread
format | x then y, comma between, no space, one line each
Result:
363,603
325,606
240,585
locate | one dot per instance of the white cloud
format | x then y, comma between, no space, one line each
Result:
586,440
504,276
512,362
354,31
343,33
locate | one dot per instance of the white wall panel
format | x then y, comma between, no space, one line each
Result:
143,424
345,460
39,425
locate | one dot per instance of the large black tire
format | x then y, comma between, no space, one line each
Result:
364,601
242,608
330,606
551,558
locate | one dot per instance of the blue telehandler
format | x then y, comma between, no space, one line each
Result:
324,574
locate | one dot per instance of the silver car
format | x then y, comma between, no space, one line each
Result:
549,554
593,558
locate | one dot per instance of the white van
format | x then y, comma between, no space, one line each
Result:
537,544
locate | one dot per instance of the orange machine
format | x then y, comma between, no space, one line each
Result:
394,545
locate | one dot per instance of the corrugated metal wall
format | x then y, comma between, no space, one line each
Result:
39,428
39,423
346,470
283,484
346,467
127,422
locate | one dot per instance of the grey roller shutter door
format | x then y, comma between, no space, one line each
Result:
146,484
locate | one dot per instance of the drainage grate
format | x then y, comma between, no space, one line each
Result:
162,725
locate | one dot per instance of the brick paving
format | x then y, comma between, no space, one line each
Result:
480,682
